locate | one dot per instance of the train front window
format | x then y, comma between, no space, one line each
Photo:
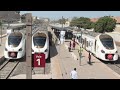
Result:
14,40
39,41
108,43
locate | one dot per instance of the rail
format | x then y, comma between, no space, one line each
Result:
7,68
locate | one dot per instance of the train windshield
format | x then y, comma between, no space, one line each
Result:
14,40
39,41
108,43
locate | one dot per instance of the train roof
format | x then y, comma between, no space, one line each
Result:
40,29
16,34
104,36
39,34
93,34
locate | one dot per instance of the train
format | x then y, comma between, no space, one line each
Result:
15,46
101,46
40,42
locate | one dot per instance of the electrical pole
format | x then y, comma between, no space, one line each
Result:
80,47
29,46
62,22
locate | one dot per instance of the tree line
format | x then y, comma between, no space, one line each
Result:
104,24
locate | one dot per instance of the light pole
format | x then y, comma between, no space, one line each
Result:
62,22
80,47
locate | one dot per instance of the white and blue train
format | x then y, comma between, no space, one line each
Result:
15,46
40,42
102,46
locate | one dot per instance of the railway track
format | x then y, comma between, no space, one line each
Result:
115,66
7,68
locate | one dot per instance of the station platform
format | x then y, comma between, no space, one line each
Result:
97,70
36,76
2,44
65,61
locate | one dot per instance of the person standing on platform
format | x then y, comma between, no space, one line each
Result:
74,44
89,57
80,50
73,74
70,46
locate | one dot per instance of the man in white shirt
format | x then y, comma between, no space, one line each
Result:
73,74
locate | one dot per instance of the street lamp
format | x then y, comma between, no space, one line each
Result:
80,47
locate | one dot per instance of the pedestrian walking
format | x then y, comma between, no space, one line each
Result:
70,46
74,44
80,50
73,74
89,57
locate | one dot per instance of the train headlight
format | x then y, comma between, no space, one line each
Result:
46,50
6,49
20,49
102,51
116,52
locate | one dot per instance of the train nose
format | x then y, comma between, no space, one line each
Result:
110,57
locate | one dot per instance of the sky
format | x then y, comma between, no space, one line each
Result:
54,15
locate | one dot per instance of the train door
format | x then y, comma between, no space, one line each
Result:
85,43
95,46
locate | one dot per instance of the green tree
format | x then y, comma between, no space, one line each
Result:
75,22
92,25
62,21
105,24
82,22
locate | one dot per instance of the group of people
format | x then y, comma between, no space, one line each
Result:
73,73
72,45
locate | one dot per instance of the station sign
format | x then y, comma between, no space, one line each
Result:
39,60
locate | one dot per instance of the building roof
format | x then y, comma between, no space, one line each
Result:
117,18
9,15
94,19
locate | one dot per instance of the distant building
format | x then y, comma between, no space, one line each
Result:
67,23
9,16
94,19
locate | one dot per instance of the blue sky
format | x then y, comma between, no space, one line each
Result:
69,14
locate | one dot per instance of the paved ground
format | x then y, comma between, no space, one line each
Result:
2,46
97,70
62,62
